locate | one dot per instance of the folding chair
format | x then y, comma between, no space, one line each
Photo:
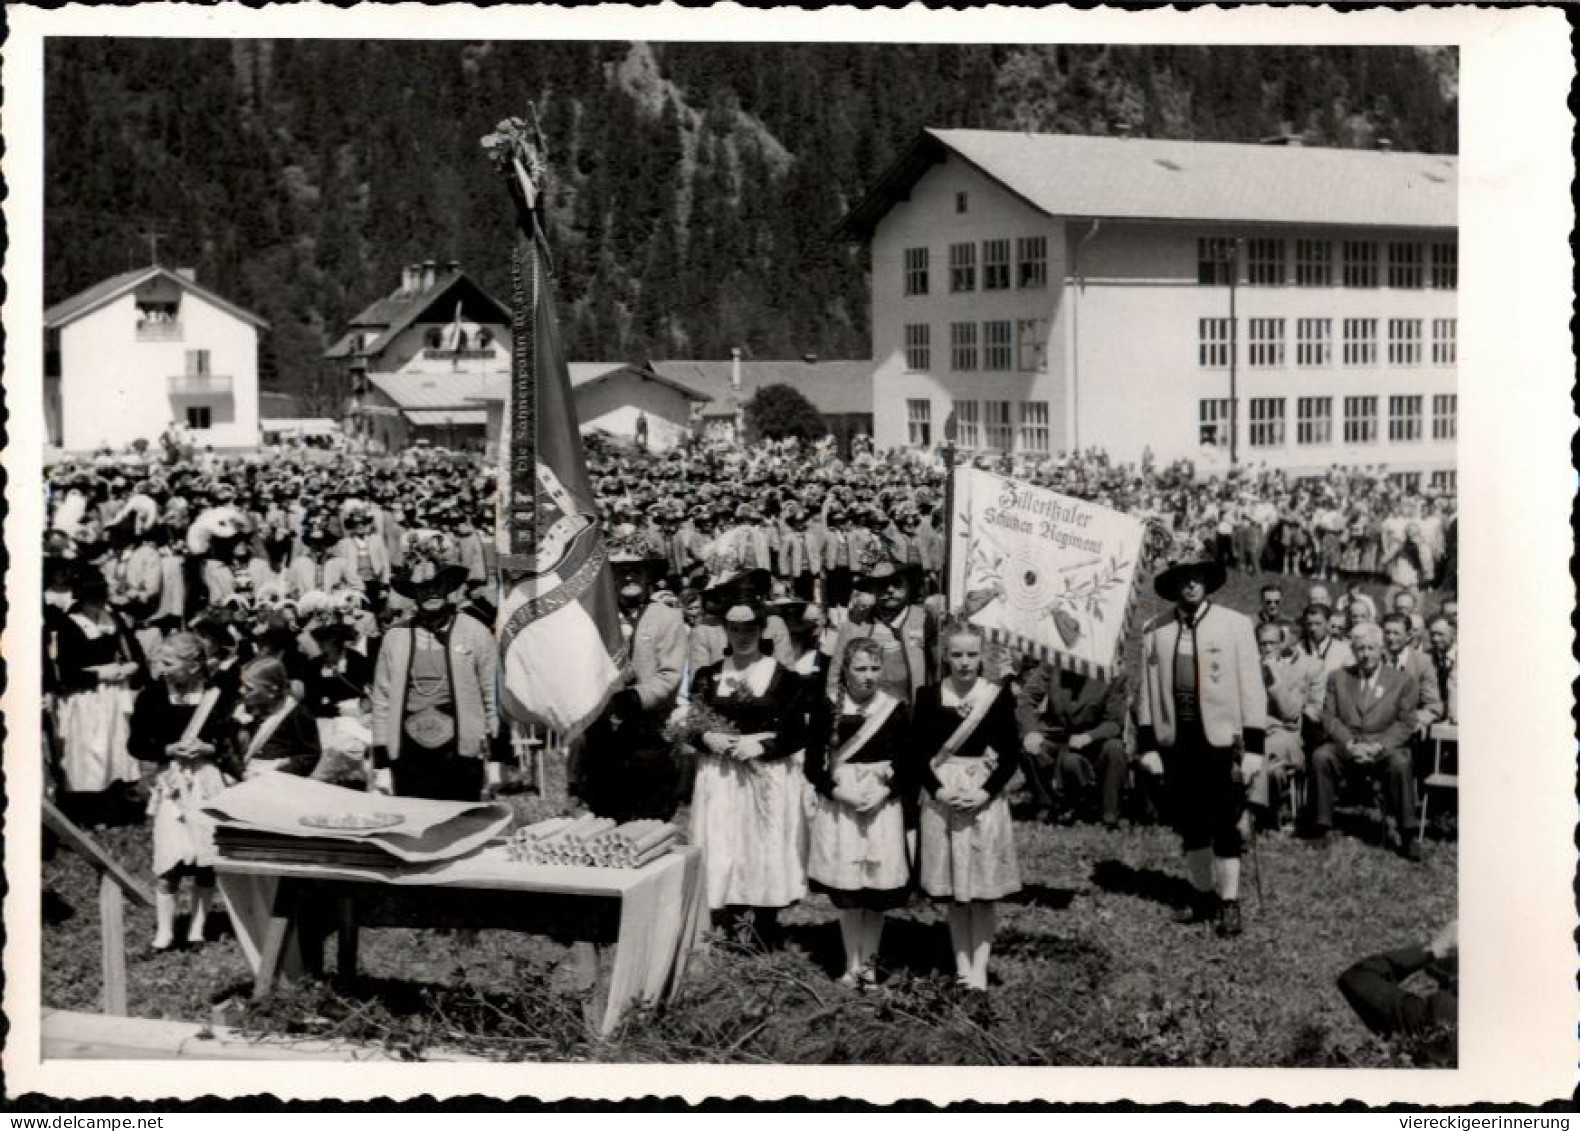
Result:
1441,735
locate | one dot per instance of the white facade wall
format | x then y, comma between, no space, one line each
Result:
1139,377
1123,308
930,219
115,388
614,403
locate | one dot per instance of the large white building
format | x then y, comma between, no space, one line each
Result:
131,354
1057,292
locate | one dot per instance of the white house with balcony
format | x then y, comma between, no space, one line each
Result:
1056,292
126,357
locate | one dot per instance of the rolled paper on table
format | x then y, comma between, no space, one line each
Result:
656,836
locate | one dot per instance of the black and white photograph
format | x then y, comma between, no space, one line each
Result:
764,552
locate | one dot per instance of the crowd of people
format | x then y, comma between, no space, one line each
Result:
794,678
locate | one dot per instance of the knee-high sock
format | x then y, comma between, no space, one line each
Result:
850,933
164,917
872,934
202,899
960,937
1226,870
984,921
1199,861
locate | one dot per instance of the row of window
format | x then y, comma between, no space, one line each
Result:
1314,342
1403,264
1002,426
1314,420
1028,269
1410,481
997,346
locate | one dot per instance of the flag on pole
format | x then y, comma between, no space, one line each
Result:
561,651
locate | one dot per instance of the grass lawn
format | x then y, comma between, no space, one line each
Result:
1088,968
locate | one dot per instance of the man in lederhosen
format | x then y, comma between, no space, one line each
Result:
1202,705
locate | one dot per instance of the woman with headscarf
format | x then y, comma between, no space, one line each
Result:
178,728
98,663
964,741
856,760
747,809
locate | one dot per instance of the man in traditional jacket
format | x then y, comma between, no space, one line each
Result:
1202,706
905,631
435,711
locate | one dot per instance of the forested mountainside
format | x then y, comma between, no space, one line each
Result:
695,187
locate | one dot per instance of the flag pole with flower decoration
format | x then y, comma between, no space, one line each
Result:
561,651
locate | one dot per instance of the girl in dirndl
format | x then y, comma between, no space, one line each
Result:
964,741
180,724
855,761
98,664
748,808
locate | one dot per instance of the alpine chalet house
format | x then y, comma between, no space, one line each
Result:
1266,304
415,361
140,350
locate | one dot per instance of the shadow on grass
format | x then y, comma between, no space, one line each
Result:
1146,883
55,909
917,947
1041,895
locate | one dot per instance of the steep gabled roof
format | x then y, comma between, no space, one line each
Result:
108,290
393,313
835,388
1157,179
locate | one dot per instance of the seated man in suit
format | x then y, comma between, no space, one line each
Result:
1369,719
1292,678
1403,653
1445,659
1071,727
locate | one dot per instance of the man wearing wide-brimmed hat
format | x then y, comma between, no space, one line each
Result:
906,632
1202,705
434,706
626,770
318,567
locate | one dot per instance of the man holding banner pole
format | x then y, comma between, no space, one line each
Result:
1202,704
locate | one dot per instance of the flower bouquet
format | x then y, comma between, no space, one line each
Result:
690,721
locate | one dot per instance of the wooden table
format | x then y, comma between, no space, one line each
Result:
650,916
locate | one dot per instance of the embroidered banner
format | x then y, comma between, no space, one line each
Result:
1041,572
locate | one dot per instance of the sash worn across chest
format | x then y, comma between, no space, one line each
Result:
980,699
882,707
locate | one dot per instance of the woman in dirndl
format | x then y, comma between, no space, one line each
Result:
748,809
180,725
98,664
856,754
963,739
